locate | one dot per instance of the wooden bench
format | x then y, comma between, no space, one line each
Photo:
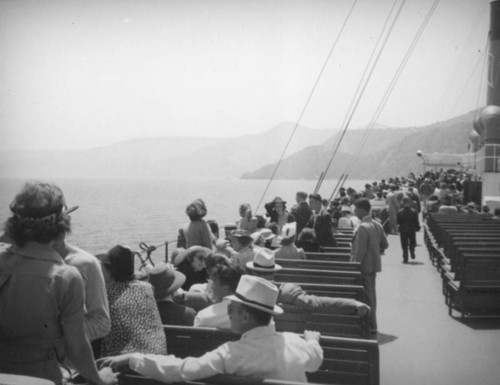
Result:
223,379
345,360
321,264
336,277
478,291
341,257
356,292
344,250
336,325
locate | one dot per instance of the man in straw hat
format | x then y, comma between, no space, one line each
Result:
264,266
41,297
165,281
261,352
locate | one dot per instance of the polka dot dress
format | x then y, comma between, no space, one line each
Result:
135,320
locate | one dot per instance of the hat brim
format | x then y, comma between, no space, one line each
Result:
179,280
179,258
277,310
276,267
104,259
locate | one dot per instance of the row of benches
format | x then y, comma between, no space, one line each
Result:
345,360
466,250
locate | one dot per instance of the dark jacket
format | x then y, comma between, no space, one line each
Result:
408,220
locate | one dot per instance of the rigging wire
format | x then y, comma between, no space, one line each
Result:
480,89
440,108
365,79
306,104
394,81
466,84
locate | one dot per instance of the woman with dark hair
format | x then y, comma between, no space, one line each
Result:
41,297
135,320
308,241
192,263
277,213
196,232
324,233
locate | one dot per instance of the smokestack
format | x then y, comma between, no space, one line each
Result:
493,97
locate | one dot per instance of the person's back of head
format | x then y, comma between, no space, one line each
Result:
496,212
301,196
225,280
307,240
196,210
39,214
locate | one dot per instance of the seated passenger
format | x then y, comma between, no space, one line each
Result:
242,243
191,263
346,221
288,250
446,207
225,279
135,319
199,295
264,266
247,220
307,241
324,232
165,281
261,352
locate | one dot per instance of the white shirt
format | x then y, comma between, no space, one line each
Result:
214,316
261,352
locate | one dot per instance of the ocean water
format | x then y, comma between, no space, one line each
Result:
138,210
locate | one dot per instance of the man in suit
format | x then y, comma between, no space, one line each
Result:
301,211
369,243
408,227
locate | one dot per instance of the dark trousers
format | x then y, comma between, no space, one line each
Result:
371,292
408,241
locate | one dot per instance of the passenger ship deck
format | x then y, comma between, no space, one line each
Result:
419,342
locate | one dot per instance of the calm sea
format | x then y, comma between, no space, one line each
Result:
132,211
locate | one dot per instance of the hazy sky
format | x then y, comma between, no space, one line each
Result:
77,74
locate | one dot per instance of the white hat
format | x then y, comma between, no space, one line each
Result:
258,293
289,230
346,209
263,260
265,234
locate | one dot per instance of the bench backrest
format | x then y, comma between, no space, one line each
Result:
480,273
337,325
330,256
223,379
356,292
346,360
337,277
312,264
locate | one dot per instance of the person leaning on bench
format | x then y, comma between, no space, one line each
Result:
261,352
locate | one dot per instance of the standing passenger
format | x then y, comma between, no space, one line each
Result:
408,227
369,242
41,297
301,211
196,232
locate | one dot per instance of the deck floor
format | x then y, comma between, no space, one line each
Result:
419,342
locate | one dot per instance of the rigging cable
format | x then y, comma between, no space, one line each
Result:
306,105
466,84
480,90
394,81
362,86
440,108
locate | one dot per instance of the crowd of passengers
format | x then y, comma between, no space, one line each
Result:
62,307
